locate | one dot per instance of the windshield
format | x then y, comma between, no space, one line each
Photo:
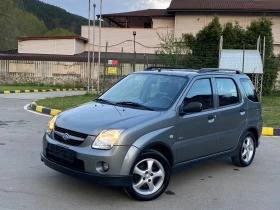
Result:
150,91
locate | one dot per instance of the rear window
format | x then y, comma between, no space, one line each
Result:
250,90
228,92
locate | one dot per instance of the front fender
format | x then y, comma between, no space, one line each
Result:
165,135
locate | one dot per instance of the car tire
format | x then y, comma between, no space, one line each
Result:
151,175
246,150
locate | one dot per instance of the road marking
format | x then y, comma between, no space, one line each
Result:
26,108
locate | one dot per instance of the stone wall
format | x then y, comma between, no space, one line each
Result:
46,81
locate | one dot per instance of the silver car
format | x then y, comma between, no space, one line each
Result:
154,123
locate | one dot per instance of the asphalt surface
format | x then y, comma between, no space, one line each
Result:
26,183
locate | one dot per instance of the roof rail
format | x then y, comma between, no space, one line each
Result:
159,68
206,70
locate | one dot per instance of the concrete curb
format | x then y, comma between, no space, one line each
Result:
266,131
35,107
39,90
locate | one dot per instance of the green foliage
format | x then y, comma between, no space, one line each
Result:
233,36
263,28
54,17
59,32
15,22
206,45
172,49
202,50
27,24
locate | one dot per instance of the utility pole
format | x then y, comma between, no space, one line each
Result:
134,35
88,65
93,42
99,48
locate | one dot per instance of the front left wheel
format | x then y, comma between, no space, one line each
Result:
151,174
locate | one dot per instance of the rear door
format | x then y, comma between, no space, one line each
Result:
232,112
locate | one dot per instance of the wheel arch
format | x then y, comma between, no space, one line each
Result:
162,148
254,131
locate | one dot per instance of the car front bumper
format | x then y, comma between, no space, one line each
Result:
99,179
83,162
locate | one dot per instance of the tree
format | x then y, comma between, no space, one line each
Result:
172,50
233,36
263,28
206,45
59,32
202,50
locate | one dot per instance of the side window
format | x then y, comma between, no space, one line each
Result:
227,91
250,90
201,91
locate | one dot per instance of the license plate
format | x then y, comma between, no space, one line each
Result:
61,153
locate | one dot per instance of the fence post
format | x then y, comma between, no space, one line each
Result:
105,66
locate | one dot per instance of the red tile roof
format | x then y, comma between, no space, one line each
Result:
141,13
225,5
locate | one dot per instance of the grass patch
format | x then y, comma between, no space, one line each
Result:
63,103
271,110
30,87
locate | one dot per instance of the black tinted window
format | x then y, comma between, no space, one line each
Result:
227,91
250,90
200,91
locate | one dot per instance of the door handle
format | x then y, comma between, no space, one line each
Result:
242,111
211,118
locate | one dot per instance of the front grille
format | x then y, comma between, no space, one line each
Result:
68,141
72,140
76,164
72,133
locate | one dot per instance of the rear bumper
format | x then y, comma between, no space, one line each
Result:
99,179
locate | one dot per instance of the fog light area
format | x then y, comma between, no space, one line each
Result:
102,167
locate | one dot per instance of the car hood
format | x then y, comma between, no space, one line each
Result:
91,118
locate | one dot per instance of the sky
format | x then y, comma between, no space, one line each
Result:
80,7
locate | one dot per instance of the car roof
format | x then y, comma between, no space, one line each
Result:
185,72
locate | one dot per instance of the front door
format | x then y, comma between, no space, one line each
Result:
197,132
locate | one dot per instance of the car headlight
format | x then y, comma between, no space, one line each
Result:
50,126
106,139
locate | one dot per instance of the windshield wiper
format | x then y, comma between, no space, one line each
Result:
103,101
130,103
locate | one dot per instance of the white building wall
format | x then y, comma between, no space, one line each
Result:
163,22
147,40
51,46
79,46
193,23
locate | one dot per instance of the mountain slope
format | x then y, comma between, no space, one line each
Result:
54,17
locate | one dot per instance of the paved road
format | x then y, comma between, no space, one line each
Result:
26,183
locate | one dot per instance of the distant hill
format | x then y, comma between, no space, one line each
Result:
35,18
54,17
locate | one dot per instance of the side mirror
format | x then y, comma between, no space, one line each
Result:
192,108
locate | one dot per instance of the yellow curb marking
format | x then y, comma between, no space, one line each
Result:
267,131
39,108
54,112
6,92
36,91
